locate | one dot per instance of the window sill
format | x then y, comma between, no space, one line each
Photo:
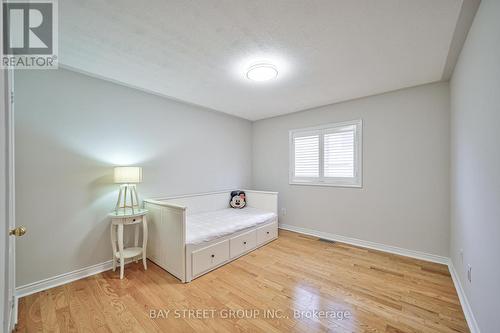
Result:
326,184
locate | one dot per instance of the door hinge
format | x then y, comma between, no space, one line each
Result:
11,97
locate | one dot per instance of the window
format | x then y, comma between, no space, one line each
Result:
328,155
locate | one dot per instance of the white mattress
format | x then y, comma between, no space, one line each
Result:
204,227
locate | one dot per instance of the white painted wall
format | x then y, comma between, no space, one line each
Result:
72,129
475,165
404,201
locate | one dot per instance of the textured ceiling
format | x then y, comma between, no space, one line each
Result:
197,51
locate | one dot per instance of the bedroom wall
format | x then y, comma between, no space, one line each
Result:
72,129
475,165
404,201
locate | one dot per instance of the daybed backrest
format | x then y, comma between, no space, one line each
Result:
206,202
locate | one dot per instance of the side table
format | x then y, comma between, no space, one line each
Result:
119,220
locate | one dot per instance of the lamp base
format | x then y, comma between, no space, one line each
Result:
132,202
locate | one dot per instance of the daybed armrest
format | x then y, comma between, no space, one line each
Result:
167,236
264,200
164,204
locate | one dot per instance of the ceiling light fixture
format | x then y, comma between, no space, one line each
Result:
262,72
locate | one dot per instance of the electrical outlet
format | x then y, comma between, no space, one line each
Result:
283,211
462,255
469,273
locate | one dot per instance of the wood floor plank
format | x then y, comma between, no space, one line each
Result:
278,288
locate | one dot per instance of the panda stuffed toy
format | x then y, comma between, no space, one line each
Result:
238,199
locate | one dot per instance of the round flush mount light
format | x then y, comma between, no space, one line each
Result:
262,72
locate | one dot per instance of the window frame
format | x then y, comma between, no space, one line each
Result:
321,130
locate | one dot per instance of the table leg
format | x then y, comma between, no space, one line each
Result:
120,247
136,238
113,244
144,240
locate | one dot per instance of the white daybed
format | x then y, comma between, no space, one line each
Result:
193,234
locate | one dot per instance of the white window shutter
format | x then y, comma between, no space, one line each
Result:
306,156
339,153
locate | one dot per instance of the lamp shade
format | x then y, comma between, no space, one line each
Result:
128,175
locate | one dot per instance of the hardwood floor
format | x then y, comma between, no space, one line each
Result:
374,291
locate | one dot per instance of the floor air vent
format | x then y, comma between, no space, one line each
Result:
326,240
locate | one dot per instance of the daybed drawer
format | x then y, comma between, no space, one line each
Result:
209,257
242,243
267,233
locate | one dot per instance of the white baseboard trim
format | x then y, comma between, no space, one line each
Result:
368,244
61,279
469,315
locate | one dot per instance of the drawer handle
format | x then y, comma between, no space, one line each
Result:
133,220
213,255
267,232
245,243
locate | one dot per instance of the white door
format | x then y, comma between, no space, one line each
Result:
11,268
9,232
4,228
